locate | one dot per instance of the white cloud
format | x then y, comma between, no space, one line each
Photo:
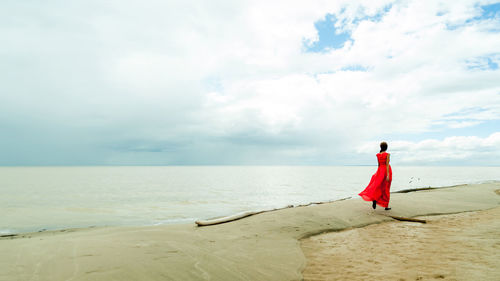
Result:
180,74
467,150
463,150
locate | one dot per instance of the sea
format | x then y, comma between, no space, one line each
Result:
52,198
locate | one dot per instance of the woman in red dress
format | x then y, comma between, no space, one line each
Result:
378,190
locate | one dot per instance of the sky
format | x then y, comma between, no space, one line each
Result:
227,82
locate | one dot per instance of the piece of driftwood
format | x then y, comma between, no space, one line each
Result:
247,214
414,189
235,217
8,235
225,219
407,219
322,202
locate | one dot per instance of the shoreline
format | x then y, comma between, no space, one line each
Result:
73,229
14,235
108,197
9,234
261,247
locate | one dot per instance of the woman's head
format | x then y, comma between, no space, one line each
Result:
383,146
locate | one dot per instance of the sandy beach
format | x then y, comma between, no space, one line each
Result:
463,246
282,245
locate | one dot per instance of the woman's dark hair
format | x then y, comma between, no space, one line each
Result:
383,146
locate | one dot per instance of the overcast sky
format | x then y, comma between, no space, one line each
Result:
249,82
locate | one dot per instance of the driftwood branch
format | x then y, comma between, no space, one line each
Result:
414,189
8,235
247,214
235,217
225,219
407,219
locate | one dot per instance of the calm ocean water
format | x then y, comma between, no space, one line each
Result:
38,198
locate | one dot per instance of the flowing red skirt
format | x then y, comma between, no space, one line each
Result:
379,188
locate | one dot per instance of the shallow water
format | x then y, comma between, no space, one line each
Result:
37,198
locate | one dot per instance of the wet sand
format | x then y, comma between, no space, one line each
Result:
463,246
261,247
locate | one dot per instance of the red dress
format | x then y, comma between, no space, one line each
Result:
378,188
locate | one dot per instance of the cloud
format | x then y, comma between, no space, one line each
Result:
195,82
463,150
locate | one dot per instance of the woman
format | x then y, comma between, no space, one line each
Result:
377,190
